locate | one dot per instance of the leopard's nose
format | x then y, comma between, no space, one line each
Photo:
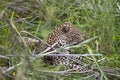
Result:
82,39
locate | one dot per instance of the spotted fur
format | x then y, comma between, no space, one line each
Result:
65,34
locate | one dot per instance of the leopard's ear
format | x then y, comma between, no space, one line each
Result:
65,29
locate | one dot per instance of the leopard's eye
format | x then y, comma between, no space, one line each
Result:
65,29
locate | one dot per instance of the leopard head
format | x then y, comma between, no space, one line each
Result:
65,34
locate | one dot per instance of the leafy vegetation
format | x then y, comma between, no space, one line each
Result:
39,17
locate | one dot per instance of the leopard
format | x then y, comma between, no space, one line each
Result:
62,35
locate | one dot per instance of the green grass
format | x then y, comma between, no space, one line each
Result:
39,17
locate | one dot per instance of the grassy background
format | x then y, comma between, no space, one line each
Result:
92,17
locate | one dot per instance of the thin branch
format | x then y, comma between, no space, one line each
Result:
74,55
5,57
